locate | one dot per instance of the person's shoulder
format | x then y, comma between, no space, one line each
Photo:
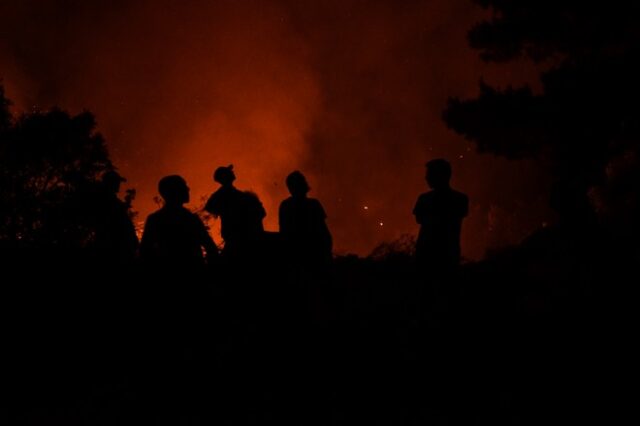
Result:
460,202
217,199
316,206
190,217
425,197
315,203
250,195
215,196
287,202
233,192
154,217
460,196
188,213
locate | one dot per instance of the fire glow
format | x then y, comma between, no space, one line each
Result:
350,93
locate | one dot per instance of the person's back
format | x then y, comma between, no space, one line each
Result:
226,203
303,225
440,213
115,238
241,214
174,235
252,215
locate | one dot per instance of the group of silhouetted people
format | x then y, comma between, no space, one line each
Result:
175,235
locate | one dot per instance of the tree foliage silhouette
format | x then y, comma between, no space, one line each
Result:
587,113
50,165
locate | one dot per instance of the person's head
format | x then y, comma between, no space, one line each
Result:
438,173
297,184
111,181
224,175
174,190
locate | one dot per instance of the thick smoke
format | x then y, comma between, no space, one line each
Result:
350,92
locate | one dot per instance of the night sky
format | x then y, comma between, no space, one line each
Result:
350,92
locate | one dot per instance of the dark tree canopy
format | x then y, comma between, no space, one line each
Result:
50,166
544,29
588,112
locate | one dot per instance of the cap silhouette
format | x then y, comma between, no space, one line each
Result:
224,175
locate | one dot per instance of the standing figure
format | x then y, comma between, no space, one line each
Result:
241,214
305,235
115,239
174,235
440,213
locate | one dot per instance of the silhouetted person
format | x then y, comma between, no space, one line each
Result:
115,238
174,235
303,228
440,213
241,214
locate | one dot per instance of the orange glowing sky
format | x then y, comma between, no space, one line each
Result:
348,91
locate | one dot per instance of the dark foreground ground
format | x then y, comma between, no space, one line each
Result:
519,340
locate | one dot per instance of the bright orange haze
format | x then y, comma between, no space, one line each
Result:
349,92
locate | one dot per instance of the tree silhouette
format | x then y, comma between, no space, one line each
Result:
587,113
50,165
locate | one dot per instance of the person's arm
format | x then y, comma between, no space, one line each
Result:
322,215
327,239
419,210
211,206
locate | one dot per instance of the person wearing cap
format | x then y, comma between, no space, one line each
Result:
440,213
241,214
173,235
